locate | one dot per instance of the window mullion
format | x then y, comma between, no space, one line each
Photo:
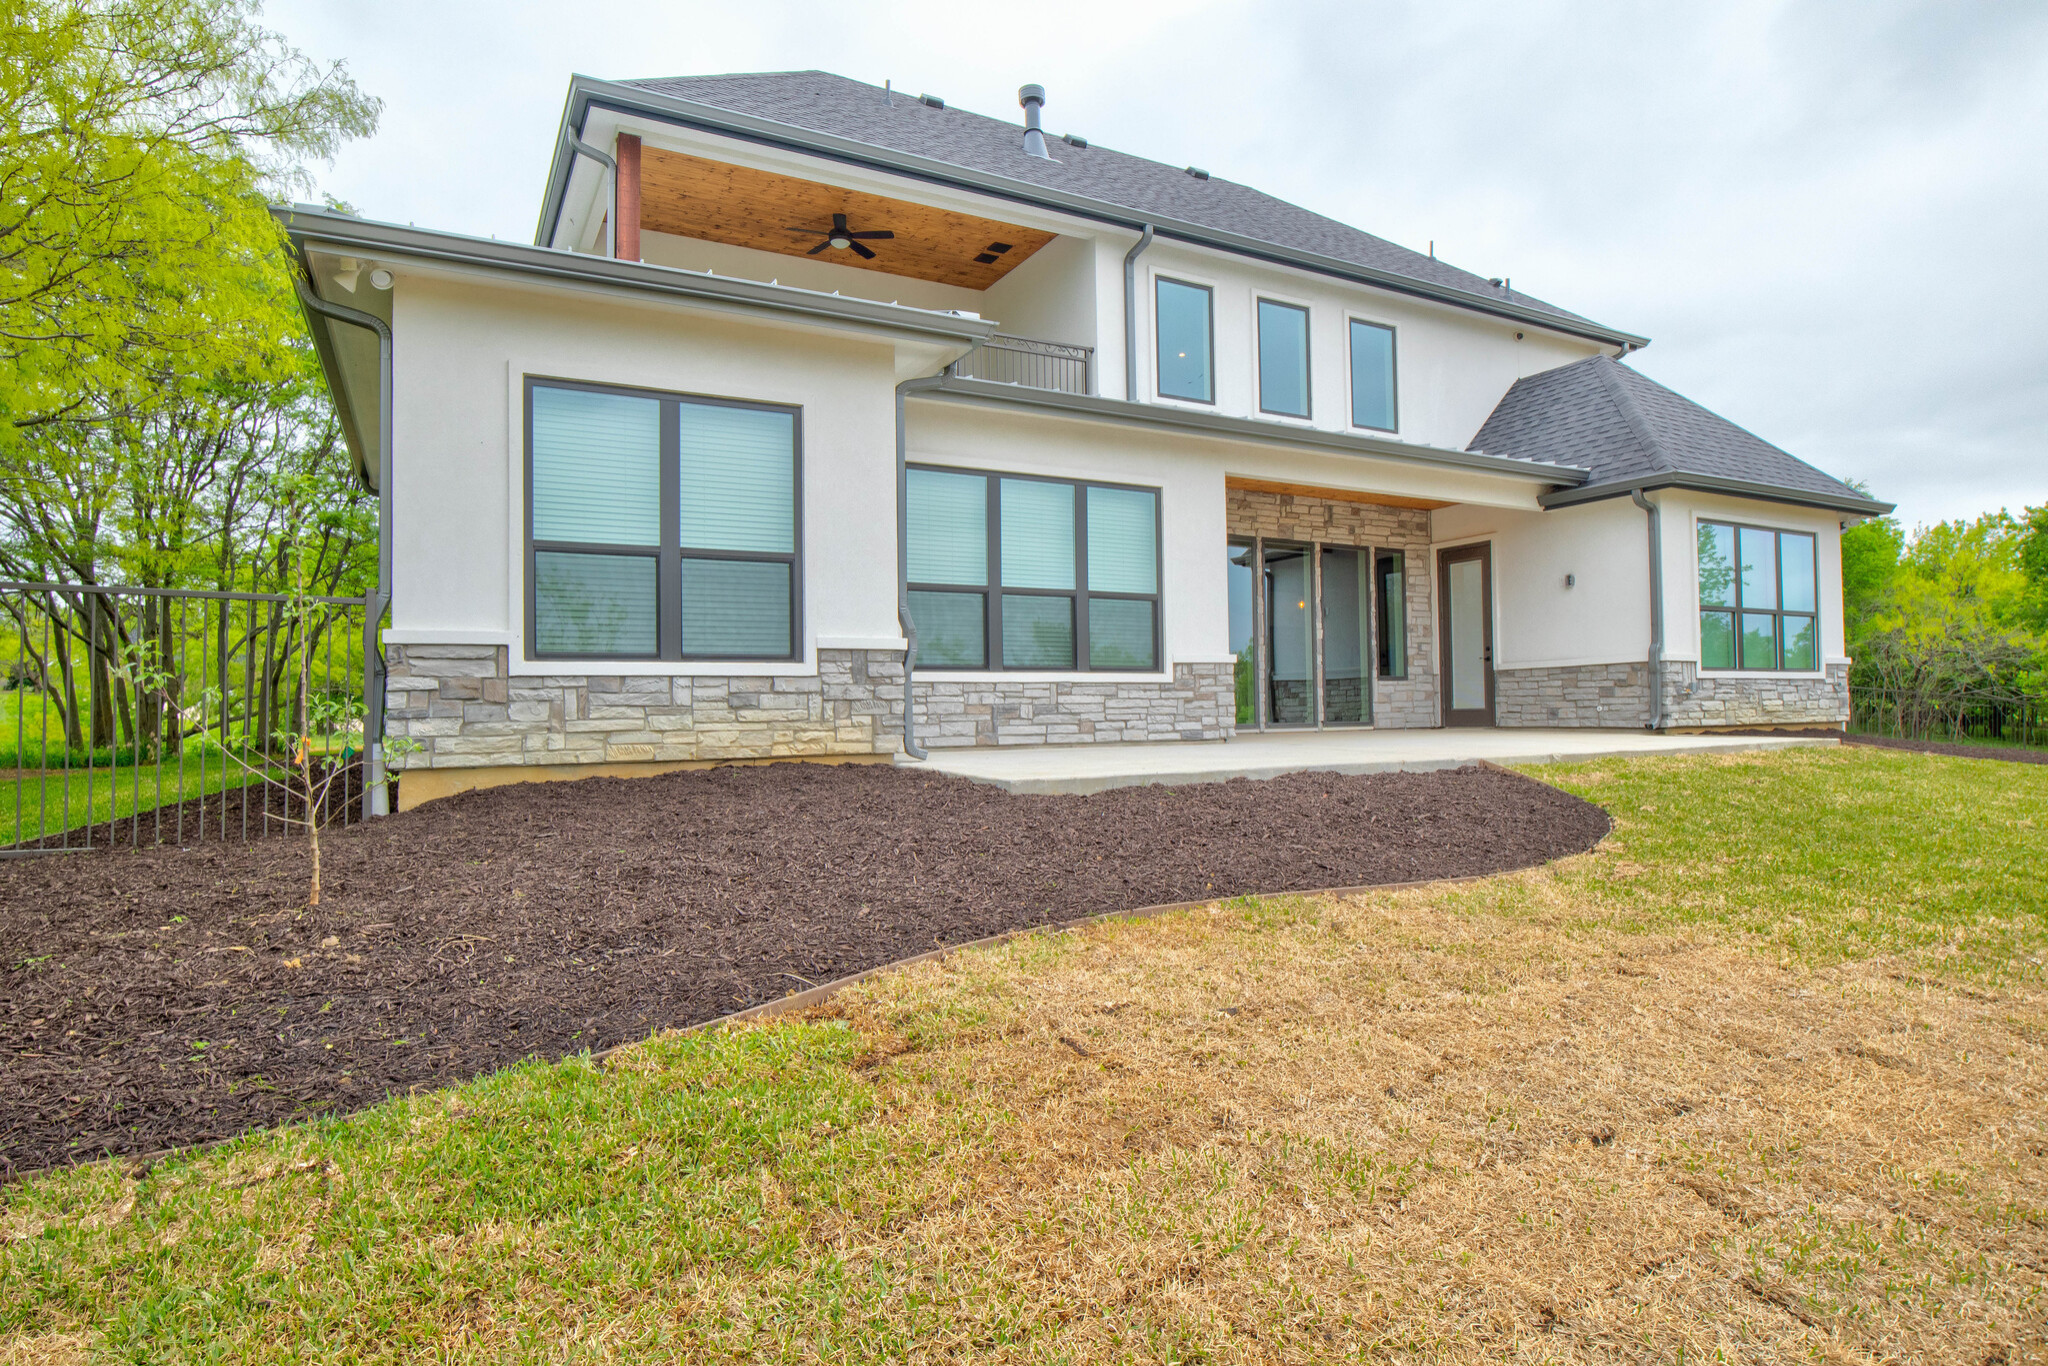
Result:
994,587
668,591
1080,576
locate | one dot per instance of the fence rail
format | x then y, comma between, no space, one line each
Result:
1032,363
140,716
1953,716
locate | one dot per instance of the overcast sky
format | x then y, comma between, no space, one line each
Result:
1829,217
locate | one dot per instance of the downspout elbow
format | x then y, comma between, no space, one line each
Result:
1131,313
910,745
1656,608
578,147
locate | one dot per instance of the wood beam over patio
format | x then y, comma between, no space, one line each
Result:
1386,500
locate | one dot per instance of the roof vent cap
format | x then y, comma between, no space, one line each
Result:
1032,97
1198,173
933,100
1074,140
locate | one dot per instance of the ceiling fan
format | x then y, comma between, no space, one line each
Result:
841,237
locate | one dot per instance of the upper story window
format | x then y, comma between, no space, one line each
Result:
659,526
1187,340
1008,572
1759,598
1283,359
1372,377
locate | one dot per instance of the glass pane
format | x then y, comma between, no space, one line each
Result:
948,527
594,605
1123,541
1289,645
952,630
1038,534
1759,640
1717,640
1802,643
737,608
1283,358
1468,635
1038,633
1759,568
1393,619
1372,376
1797,552
1119,634
738,487
596,467
1183,318
1239,586
1347,596
1717,565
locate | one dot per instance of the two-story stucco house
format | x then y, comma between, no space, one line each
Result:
801,375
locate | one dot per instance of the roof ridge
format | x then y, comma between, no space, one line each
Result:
1625,404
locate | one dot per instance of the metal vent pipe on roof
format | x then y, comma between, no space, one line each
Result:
1032,97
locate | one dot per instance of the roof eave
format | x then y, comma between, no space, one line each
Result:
585,91
1157,415
1853,504
314,226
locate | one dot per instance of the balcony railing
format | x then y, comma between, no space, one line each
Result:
1030,362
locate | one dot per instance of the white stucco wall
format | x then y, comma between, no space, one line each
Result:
1604,618
461,350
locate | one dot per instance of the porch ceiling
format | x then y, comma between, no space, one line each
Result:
743,207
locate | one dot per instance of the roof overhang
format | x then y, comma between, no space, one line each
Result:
1853,504
1158,416
314,230
585,91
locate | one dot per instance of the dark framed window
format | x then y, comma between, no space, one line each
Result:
661,526
1373,397
1185,324
1018,572
1283,359
1390,580
1759,598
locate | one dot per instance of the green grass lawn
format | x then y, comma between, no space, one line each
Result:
1065,1149
33,804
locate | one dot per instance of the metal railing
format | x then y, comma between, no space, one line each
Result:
1035,364
141,716
1950,716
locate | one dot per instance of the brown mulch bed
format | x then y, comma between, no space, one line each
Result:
159,998
2010,756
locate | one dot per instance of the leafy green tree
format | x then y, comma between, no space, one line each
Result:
2033,557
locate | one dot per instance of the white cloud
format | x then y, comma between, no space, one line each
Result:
1827,215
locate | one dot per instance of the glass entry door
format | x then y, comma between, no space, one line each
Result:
1466,593
1301,629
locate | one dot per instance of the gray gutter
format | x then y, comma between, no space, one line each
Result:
1851,503
910,745
1094,407
584,91
310,227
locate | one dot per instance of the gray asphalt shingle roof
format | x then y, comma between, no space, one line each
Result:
1606,418
825,103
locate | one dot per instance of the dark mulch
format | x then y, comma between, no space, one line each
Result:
161,998
2010,756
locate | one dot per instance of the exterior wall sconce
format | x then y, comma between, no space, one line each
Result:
1571,580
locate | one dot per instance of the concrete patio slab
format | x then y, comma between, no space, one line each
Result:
1097,768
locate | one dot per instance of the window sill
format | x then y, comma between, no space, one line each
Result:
1761,673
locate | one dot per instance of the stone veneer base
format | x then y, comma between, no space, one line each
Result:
1617,695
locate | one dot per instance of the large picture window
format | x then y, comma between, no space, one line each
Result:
1759,603
1372,377
1013,572
660,526
1187,340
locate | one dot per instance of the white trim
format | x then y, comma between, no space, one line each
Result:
886,643
931,674
661,668
446,635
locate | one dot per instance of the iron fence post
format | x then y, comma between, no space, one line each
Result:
376,797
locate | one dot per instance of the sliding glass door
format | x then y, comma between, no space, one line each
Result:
1301,630
1347,634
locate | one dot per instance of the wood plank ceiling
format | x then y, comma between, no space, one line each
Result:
743,207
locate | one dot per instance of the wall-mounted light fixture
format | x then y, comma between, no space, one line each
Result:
1571,580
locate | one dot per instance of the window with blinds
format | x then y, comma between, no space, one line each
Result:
660,526
1015,572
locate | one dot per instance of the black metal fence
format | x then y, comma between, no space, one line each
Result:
1030,362
1951,716
148,715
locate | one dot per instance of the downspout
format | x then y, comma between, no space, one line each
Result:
1656,609
1131,314
373,611
910,745
578,146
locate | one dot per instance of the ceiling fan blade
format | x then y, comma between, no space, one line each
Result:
861,251
808,232
839,222
820,247
873,236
